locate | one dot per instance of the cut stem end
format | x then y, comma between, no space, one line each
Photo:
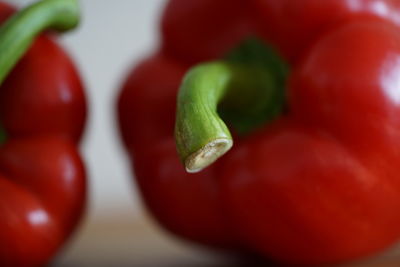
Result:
207,155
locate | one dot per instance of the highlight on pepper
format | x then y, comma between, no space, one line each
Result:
42,176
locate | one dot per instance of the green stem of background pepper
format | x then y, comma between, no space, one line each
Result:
18,33
240,89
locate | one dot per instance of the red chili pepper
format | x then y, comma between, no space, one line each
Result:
42,113
312,177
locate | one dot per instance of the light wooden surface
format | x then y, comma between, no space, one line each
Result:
139,242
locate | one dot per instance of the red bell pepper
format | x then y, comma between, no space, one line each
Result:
312,177
42,114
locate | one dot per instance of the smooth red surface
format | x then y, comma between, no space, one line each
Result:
42,177
322,183
294,25
199,30
59,101
318,185
42,189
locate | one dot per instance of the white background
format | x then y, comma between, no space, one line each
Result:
112,37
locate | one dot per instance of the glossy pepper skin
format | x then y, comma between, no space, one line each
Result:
324,177
293,25
42,176
320,183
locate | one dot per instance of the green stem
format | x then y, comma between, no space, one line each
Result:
201,135
18,33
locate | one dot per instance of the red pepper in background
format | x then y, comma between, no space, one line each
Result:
42,113
318,181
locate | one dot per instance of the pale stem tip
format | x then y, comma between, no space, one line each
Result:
207,155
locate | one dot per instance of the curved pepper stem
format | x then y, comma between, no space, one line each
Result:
18,33
246,90
201,135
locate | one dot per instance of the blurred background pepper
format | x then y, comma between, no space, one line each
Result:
43,112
